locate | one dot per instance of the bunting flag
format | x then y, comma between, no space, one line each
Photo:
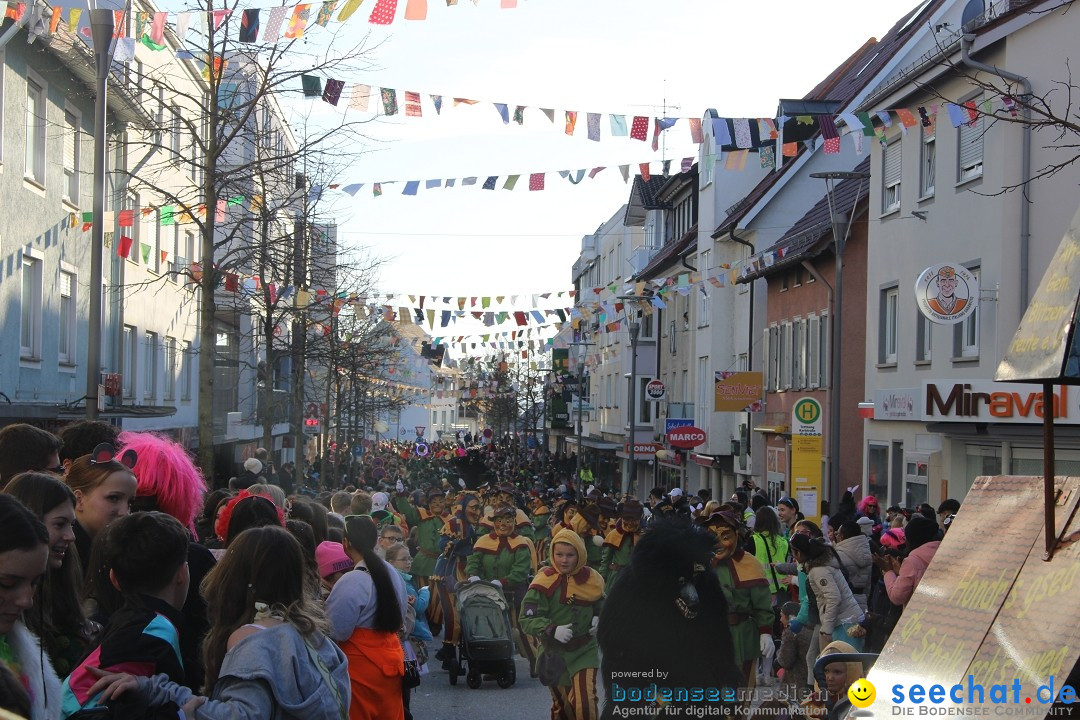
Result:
273,24
416,10
643,168
348,9
297,22
219,17
618,125
695,131
571,122
359,98
126,218
504,112
332,93
412,104
123,248
389,101
519,114
593,126
145,253
312,85
157,27
536,182
383,13
326,12
639,128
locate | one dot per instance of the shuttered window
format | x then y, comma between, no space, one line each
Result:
891,166
813,354
971,146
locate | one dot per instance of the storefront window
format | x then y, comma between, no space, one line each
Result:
916,472
1029,461
877,471
777,472
984,460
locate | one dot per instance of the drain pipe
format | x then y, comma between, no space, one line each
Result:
966,43
750,315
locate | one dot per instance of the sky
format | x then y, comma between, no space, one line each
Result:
635,57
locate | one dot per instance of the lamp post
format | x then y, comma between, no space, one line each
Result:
580,354
840,230
101,29
634,330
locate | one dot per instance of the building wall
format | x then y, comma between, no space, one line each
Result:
966,222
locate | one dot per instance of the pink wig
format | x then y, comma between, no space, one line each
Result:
166,471
868,500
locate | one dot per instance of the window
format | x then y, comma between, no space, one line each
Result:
785,356
890,177
772,347
35,131
128,369
824,352
970,141
890,300
705,258
66,335
924,333
704,404
72,145
30,342
929,161
708,154
798,354
169,378
150,341
185,371
176,133
877,470
916,474
813,351
966,340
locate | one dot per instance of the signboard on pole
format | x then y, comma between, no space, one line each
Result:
673,423
806,456
655,390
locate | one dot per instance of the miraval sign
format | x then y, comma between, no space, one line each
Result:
985,401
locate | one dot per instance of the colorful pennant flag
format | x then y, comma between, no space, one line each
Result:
249,26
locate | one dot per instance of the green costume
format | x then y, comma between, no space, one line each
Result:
616,550
749,603
554,599
428,531
507,560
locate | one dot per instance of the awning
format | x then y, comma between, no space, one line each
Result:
593,443
773,429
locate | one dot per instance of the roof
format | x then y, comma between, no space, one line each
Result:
811,234
643,197
842,85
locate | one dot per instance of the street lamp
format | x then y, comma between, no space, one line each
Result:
629,301
101,31
580,354
840,234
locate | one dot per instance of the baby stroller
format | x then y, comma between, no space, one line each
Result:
487,642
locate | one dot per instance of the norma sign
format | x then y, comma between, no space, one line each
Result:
947,293
641,448
655,390
686,437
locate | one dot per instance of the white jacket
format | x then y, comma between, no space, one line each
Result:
44,686
854,553
836,605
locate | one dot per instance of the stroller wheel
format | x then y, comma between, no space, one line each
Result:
473,679
508,678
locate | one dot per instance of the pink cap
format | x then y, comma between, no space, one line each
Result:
893,538
331,558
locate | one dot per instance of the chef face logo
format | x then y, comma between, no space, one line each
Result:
947,293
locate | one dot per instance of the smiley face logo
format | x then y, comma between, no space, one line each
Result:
861,693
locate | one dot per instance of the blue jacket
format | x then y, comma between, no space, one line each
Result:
421,631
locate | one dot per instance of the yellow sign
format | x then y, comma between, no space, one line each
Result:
738,391
806,456
991,622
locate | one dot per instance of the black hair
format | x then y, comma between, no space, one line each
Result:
949,506
144,550
927,510
80,438
22,529
850,529
60,615
304,535
766,521
25,447
362,535
251,512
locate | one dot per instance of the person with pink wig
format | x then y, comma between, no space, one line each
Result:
169,481
869,507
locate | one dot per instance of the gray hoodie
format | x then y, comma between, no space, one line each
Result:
270,675
855,554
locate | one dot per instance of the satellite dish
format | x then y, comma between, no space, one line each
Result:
972,15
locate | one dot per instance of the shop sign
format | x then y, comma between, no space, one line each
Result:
675,423
738,391
655,390
686,437
988,401
947,293
641,448
897,404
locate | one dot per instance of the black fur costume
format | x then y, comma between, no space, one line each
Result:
666,612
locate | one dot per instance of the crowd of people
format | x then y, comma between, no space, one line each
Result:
130,589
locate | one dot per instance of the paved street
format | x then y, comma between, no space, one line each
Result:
435,699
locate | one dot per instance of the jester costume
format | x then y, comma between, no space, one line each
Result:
555,599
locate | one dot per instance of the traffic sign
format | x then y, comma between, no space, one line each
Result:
655,390
686,437
421,449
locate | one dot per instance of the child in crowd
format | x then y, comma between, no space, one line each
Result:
333,562
794,644
146,560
